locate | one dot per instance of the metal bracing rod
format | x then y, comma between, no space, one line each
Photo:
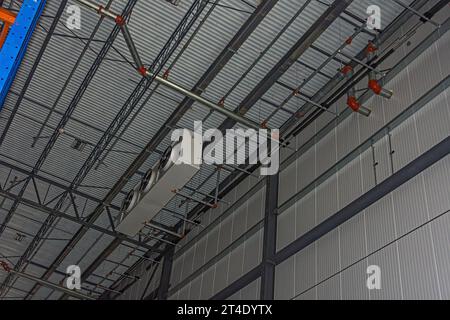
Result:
360,62
48,284
182,218
144,258
416,12
150,236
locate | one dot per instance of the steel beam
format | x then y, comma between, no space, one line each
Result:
270,238
54,183
16,43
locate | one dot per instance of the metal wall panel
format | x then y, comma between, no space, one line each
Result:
418,266
354,282
441,237
305,270
286,227
330,289
306,168
409,206
288,183
221,274
352,241
306,214
195,289
328,255
327,199
285,280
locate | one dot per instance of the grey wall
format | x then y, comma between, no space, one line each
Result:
397,233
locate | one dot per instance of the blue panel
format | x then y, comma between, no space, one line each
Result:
13,50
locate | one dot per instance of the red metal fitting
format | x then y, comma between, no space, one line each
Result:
371,48
353,103
222,102
296,92
264,124
100,9
346,70
5,266
166,74
349,41
375,86
142,70
120,20
215,206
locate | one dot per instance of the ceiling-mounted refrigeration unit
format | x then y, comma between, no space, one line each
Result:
173,171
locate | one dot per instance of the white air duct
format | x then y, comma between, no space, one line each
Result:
173,171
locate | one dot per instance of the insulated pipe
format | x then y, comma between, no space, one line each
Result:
46,283
146,73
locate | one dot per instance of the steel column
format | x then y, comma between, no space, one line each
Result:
270,239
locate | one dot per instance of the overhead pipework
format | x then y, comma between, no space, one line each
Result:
373,84
352,101
140,67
